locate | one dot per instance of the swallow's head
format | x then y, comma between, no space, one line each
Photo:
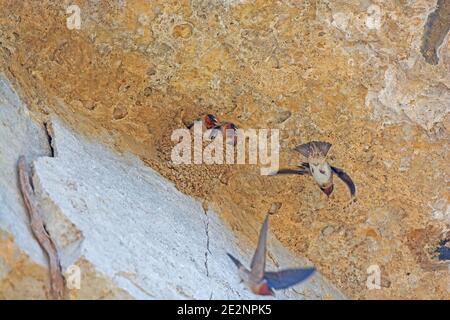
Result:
321,171
229,131
328,190
228,126
263,289
209,121
322,174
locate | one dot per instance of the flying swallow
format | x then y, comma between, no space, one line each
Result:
228,130
318,167
261,282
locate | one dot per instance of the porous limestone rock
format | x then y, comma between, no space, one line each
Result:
121,229
138,230
369,76
22,262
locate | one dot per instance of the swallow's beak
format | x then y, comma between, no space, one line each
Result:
328,190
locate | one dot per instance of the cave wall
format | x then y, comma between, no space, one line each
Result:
122,231
371,77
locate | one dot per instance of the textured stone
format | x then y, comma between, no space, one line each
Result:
127,229
350,72
21,258
136,229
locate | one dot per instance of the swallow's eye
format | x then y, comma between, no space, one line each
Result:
322,171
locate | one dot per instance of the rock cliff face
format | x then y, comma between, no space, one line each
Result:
371,77
122,230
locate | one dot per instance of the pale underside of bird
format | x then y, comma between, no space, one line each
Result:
318,167
261,282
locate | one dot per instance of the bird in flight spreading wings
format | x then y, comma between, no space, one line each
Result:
318,167
261,282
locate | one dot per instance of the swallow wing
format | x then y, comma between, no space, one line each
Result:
235,261
346,178
305,165
292,171
242,271
303,169
259,259
287,278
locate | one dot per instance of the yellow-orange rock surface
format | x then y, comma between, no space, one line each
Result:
348,72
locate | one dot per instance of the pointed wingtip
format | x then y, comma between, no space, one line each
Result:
287,278
235,261
299,171
310,271
346,179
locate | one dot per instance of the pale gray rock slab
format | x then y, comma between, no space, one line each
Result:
19,135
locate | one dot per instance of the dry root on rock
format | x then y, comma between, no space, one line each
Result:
57,284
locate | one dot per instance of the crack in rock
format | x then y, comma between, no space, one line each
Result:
48,132
207,242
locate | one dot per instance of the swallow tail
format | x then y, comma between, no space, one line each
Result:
235,261
321,146
287,278
304,149
313,147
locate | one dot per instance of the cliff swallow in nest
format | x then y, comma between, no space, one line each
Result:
208,121
318,167
261,282
228,131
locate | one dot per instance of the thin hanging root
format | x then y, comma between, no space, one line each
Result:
57,284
